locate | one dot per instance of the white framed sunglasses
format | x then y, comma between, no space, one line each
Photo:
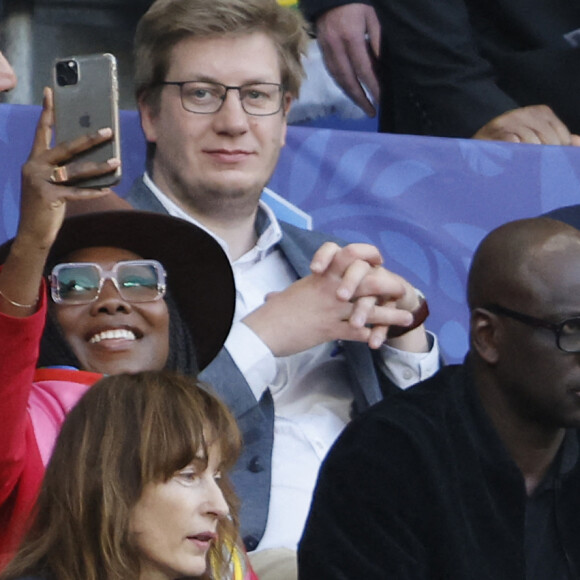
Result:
82,282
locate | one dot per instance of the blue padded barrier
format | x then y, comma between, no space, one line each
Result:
425,201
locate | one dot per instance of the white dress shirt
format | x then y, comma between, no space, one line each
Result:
310,389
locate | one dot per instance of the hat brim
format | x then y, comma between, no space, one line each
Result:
199,275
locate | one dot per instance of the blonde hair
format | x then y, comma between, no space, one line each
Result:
127,431
167,22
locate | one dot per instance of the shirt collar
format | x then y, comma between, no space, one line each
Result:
267,225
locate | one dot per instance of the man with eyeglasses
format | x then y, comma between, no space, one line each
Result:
214,82
473,474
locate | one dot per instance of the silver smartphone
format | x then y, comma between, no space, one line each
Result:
86,99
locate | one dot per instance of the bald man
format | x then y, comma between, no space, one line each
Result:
473,474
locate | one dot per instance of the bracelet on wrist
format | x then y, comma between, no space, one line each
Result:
17,304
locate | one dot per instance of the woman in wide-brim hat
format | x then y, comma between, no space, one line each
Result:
198,276
129,291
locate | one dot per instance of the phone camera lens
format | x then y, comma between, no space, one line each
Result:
67,73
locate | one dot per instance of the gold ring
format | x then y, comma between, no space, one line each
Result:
59,174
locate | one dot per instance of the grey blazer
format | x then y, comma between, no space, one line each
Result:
252,474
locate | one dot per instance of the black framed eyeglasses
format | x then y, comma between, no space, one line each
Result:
82,282
567,332
205,97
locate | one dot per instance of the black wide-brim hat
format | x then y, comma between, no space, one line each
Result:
199,275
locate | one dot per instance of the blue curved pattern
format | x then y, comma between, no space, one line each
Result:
406,252
454,336
466,234
303,170
350,171
449,280
426,202
559,179
396,179
485,158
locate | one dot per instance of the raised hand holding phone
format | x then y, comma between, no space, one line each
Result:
85,101
43,205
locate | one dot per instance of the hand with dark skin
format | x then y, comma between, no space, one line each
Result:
43,206
536,124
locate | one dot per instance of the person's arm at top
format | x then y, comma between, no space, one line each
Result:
535,124
455,86
349,38
432,48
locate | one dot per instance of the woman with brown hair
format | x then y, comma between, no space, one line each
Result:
137,487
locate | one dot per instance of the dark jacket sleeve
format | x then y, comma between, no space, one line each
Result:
365,520
434,80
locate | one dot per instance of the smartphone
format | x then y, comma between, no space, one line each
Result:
86,99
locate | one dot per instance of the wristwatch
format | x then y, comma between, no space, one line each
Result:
419,316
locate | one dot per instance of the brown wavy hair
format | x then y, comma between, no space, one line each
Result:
167,22
128,430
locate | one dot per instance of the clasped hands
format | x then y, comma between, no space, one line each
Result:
349,295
